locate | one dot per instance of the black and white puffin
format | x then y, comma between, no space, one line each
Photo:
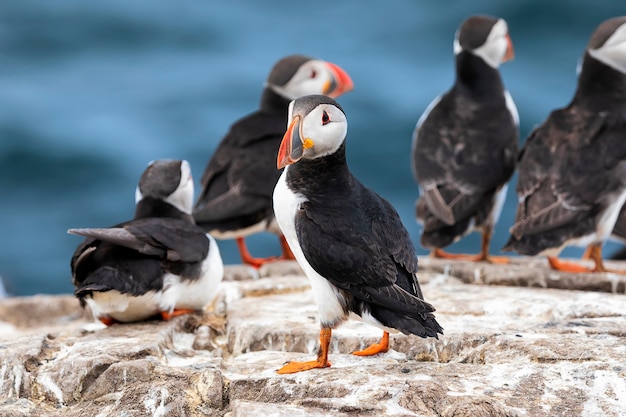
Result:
572,170
465,143
237,185
349,241
159,262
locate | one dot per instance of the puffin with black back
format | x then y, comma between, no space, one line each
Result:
349,241
237,184
572,170
465,144
159,262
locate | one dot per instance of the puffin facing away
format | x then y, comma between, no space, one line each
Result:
572,170
159,262
465,144
237,185
349,241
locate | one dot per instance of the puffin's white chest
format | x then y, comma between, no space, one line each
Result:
196,294
327,297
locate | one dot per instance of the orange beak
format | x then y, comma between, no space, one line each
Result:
341,82
290,150
509,54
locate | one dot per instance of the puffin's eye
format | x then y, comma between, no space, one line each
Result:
313,74
325,118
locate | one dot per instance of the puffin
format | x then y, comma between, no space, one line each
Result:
465,144
158,263
237,185
349,241
572,169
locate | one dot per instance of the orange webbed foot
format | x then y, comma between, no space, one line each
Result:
565,266
166,315
320,362
375,348
293,367
107,321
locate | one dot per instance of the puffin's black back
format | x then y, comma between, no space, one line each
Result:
574,160
354,238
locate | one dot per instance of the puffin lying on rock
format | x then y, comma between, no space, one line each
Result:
159,262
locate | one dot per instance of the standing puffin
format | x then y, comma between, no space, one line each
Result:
237,185
159,262
465,144
572,170
349,241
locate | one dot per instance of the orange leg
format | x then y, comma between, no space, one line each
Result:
166,315
593,252
248,259
320,362
287,253
380,347
483,256
587,255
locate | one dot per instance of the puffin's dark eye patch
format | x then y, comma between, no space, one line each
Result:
313,74
325,118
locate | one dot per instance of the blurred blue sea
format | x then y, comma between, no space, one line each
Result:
92,91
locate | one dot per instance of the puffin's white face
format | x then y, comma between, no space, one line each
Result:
316,77
497,47
613,51
182,197
311,135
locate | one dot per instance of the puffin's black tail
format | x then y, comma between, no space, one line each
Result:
99,281
422,324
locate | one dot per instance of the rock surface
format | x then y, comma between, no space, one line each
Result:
520,348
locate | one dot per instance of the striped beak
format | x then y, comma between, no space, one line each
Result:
340,82
291,148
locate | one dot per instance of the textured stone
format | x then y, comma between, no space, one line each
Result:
529,272
525,350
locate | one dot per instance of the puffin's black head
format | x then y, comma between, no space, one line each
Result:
169,180
608,43
487,37
298,75
317,126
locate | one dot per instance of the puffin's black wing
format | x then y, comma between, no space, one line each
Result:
568,166
362,248
101,266
169,239
457,160
241,175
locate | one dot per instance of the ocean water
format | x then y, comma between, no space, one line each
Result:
92,91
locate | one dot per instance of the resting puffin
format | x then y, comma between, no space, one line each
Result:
572,170
465,144
159,262
349,241
237,185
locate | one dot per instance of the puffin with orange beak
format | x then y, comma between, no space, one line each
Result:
465,144
236,196
349,241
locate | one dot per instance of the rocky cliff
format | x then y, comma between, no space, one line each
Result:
520,340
